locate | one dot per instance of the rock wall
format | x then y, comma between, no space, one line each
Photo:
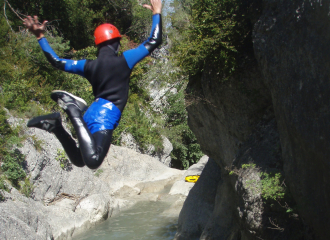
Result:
273,113
199,205
291,42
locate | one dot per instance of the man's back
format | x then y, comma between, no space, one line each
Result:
109,76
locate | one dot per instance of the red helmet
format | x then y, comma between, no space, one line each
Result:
105,32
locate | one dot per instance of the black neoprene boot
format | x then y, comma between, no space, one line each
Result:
46,122
69,102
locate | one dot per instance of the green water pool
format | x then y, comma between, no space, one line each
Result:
143,221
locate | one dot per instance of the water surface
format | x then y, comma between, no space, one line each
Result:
143,221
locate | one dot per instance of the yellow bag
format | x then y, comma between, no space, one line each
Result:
192,179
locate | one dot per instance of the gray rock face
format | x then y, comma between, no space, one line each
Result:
199,204
232,110
23,218
49,178
164,156
127,140
291,42
273,113
67,201
124,166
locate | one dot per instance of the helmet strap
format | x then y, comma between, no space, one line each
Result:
116,51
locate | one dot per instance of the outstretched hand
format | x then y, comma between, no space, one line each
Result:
155,7
35,26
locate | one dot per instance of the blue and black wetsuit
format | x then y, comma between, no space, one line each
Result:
109,76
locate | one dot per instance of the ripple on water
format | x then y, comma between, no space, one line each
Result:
143,221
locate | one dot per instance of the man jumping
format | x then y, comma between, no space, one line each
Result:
109,76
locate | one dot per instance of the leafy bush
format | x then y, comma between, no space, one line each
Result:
186,150
135,121
250,165
25,73
11,160
2,187
12,167
141,22
26,187
37,143
271,186
3,184
63,159
218,34
76,19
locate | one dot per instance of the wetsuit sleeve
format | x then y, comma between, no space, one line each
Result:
133,56
67,65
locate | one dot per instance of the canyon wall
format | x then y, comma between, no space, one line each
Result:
271,116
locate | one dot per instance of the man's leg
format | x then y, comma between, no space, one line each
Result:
94,147
52,123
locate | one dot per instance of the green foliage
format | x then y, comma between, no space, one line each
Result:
251,165
86,53
25,74
77,19
3,184
135,121
218,34
271,186
2,187
32,109
11,160
180,17
12,167
186,150
63,159
5,129
37,143
136,83
289,210
26,187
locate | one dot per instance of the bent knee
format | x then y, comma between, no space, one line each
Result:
93,162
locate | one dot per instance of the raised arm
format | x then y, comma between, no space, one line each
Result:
155,38
38,29
133,56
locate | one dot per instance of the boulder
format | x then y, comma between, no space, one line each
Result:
164,156
124,166
127,140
